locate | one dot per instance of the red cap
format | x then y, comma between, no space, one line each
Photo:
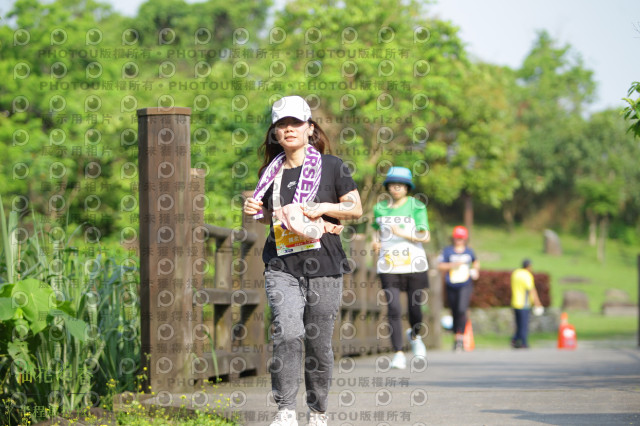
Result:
460,232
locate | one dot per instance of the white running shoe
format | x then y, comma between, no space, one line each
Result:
399,361
317,419
417,346
285,418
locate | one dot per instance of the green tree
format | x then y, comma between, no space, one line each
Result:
71,92
478,160
384,86
554,89
199,31
607,178
57,143
632,111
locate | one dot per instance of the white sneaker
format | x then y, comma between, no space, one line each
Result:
399,361
317,419
285,418
417,346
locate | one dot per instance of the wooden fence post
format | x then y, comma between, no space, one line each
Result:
252,324
434,338
166,296
200,265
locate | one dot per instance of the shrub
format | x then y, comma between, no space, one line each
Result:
69,323
493,289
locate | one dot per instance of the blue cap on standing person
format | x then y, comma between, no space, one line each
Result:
399,175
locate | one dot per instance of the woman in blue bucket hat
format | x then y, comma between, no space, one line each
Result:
402,226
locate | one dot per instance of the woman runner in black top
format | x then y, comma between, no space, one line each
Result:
303,276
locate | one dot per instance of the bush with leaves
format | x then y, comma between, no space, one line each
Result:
632,112
493,289
69,322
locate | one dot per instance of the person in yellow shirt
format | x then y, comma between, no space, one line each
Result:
523,292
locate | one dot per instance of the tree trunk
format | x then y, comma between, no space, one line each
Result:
468,211
508,214
593,228
604,225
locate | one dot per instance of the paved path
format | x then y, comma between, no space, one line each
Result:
590,385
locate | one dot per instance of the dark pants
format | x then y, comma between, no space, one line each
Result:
412,283
459,298
522,327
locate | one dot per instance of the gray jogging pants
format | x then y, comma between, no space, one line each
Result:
302,310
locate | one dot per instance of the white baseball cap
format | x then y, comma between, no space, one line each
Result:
290,106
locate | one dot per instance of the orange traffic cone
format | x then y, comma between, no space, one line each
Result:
567,338
467,340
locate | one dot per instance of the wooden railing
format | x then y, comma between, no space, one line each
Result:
192,333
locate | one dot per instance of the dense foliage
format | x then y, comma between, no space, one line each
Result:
388,88
69,323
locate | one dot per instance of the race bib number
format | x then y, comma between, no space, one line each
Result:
395,259
288,242
459,274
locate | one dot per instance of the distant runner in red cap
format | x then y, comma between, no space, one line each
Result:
461,267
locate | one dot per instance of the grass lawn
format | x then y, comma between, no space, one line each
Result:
498,249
